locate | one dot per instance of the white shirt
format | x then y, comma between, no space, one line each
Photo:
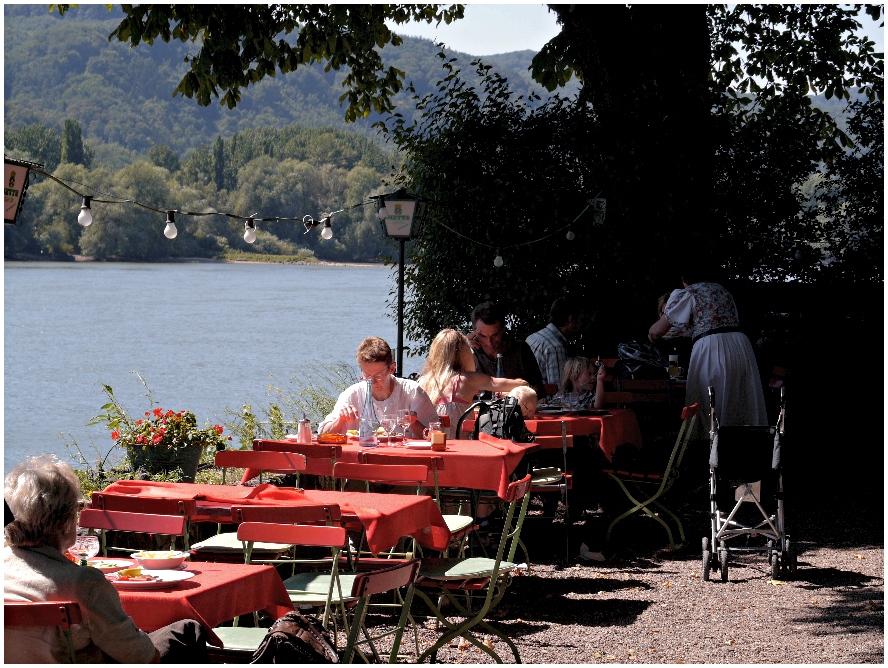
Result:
406,395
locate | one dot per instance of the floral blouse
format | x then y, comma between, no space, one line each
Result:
701,307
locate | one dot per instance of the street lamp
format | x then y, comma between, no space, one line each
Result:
401,215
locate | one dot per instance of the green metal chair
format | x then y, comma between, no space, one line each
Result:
473,586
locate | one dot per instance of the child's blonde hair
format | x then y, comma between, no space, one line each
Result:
527,399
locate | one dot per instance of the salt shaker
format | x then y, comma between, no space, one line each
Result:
304,432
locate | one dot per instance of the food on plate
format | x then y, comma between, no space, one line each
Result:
133,572
161,554
332,439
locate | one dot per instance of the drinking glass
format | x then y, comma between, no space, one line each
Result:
84,548
389,423
405,420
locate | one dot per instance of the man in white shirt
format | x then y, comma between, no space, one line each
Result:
390,394
550,345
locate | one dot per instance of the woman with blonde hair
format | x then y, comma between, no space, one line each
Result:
577,378
450,379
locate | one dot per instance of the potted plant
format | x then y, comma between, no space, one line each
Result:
160,441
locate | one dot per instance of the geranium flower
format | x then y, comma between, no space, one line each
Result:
115,435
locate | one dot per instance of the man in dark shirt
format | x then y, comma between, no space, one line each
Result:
489,337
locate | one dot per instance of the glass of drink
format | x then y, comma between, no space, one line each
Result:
84,548
405,419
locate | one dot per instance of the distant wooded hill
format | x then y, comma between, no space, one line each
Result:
57,68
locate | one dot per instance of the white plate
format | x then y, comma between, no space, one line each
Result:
165,579
109,564
419,445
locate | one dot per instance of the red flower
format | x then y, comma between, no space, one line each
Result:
115,435
157,439
218,428
157,412
139,438
147,414
138,422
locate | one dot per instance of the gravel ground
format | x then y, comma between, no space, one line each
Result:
650,605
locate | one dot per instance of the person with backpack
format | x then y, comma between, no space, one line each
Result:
450,379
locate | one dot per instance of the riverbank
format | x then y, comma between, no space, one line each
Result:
27,257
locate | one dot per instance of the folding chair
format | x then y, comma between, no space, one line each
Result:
270,461
110,520
320,458
228,547
414,475
456,578
460,526
648,487
44,613
551,480
146,506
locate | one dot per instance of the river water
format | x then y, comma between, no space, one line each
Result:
204,336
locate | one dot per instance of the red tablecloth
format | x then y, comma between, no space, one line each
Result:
386,517
485,464
618,427
216,593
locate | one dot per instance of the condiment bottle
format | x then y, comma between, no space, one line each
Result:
304,432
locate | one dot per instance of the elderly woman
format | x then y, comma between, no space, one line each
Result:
43,495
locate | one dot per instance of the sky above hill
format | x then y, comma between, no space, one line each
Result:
500,28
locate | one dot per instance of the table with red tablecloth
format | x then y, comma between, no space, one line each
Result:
216,593
485,464
617,427
385,517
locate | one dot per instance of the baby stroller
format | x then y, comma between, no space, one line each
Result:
745,469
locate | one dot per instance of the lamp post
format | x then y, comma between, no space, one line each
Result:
401,215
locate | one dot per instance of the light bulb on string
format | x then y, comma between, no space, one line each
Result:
170,230
250,230
85,218
570,236
383,212
498,260
327,230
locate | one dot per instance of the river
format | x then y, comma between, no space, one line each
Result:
204,336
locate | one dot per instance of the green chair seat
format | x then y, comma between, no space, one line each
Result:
461,569
240,638
311,588
229,543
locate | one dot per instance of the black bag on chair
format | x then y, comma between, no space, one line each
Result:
500,418
294,638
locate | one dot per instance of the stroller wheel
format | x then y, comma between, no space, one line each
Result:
707,560
723,562
775,565
790,560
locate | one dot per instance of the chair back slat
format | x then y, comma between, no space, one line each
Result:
145,505
41,613
293,534
412,473
286,514
431,462
518,489
267,460
310,450
109,520
386,579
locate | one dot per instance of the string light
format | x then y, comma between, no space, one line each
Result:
85,218
170,230
570,236
383,212
498,260
250,230
327,231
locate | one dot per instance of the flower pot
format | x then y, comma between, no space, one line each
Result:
164,460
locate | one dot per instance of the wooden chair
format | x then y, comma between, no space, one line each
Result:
460,526
146,506
474,578
110,520
44,613
648,487
266,461
413,475
320,458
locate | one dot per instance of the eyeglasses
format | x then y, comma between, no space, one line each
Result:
378,378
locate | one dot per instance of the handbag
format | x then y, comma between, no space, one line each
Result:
501,418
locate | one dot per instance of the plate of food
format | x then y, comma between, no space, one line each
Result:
160,559
108,564
139,578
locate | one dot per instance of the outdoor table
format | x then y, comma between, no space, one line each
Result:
217,592
485,464
619,426
385,517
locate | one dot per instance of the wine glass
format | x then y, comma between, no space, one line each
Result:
405,420
84,547
389,423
